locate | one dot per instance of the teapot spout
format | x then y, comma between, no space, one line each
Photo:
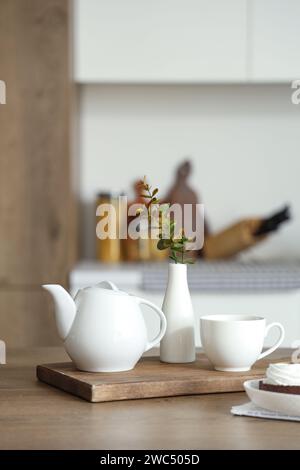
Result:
65,308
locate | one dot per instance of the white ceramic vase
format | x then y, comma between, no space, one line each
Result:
178,344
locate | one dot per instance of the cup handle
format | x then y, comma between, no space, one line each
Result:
278,342
163,322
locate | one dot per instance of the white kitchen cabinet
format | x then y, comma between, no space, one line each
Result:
276,306
160,41
274,35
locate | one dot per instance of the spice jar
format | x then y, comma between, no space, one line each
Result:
108,250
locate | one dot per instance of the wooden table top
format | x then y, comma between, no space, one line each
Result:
34,415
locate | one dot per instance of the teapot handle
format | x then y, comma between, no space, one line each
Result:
107,285
163,322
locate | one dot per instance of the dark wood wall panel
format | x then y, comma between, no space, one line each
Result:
37,223
34,146
26,318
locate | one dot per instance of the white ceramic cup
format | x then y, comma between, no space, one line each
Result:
234,343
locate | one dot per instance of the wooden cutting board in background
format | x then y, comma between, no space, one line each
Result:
150,378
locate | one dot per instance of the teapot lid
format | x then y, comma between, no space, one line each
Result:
109,287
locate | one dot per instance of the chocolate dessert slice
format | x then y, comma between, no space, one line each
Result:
291,389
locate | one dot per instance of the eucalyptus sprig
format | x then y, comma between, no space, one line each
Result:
149,194
176,244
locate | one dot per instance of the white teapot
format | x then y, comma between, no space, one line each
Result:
103,329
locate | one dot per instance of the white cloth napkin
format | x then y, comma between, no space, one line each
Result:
249,409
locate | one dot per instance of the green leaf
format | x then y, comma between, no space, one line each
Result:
160,244
163,208
147,196
178,241
174,258
172,229
155,191
177,247
163,244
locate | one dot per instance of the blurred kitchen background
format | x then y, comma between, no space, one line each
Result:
102,92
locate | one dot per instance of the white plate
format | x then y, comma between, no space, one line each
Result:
285,403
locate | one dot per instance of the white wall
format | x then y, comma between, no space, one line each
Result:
244,141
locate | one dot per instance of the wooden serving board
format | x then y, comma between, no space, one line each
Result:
150,378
